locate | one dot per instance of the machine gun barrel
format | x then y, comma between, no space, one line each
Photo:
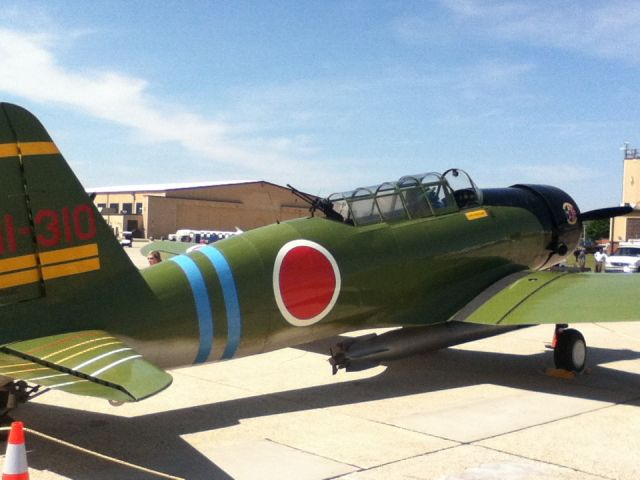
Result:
316,203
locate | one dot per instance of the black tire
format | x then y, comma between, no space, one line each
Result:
571,351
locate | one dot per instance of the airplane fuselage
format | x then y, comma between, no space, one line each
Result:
431,253
408,273
390,274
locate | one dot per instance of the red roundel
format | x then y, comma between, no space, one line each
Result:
306,282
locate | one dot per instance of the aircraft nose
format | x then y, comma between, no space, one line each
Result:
556,211
563,218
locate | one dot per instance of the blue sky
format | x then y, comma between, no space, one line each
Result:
331,95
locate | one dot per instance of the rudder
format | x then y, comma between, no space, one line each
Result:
53,241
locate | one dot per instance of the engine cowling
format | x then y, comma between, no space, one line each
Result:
557,212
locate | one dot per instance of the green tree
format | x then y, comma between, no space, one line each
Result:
597,229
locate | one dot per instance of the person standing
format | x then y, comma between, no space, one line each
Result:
600,257
582,259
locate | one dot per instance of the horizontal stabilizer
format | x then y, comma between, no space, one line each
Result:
167,248
90,363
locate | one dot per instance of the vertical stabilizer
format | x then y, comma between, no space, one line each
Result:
53,241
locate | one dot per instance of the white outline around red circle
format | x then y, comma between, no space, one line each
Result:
286,248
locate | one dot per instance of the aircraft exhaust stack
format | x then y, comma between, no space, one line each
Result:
370,350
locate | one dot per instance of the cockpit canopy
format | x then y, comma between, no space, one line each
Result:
411,197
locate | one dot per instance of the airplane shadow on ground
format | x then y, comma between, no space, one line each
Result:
154,441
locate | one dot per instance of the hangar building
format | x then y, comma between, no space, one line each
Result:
155,211
628,227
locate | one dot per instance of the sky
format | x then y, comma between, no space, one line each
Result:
331,95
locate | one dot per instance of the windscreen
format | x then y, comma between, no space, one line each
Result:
627,252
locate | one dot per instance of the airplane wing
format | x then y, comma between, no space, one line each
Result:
555,297
167,248
90,363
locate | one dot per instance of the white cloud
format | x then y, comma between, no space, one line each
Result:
607,29
31,70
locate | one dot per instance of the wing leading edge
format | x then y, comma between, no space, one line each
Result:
556,298
167,248
91,363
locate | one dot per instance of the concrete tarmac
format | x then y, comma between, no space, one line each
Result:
484,410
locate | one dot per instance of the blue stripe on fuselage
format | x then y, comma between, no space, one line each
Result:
203,305
230,295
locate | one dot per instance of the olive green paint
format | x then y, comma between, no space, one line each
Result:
405,273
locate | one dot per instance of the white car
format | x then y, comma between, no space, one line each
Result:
625,259
127,239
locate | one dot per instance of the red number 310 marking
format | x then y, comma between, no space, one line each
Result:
53,227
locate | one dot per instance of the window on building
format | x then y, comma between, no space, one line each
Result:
633,228
127,208
114,206
101,206
138,208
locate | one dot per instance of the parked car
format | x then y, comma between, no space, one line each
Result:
127,239
626,259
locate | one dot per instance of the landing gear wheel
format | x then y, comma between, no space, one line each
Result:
570,352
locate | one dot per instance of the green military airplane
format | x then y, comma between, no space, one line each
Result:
433,254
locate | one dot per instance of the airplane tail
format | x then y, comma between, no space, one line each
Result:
49,227
57,258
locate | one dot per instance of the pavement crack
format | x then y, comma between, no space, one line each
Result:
403,459
546,462
549,422
324,457
476,442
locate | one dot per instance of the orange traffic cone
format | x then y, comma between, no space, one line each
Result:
15,460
